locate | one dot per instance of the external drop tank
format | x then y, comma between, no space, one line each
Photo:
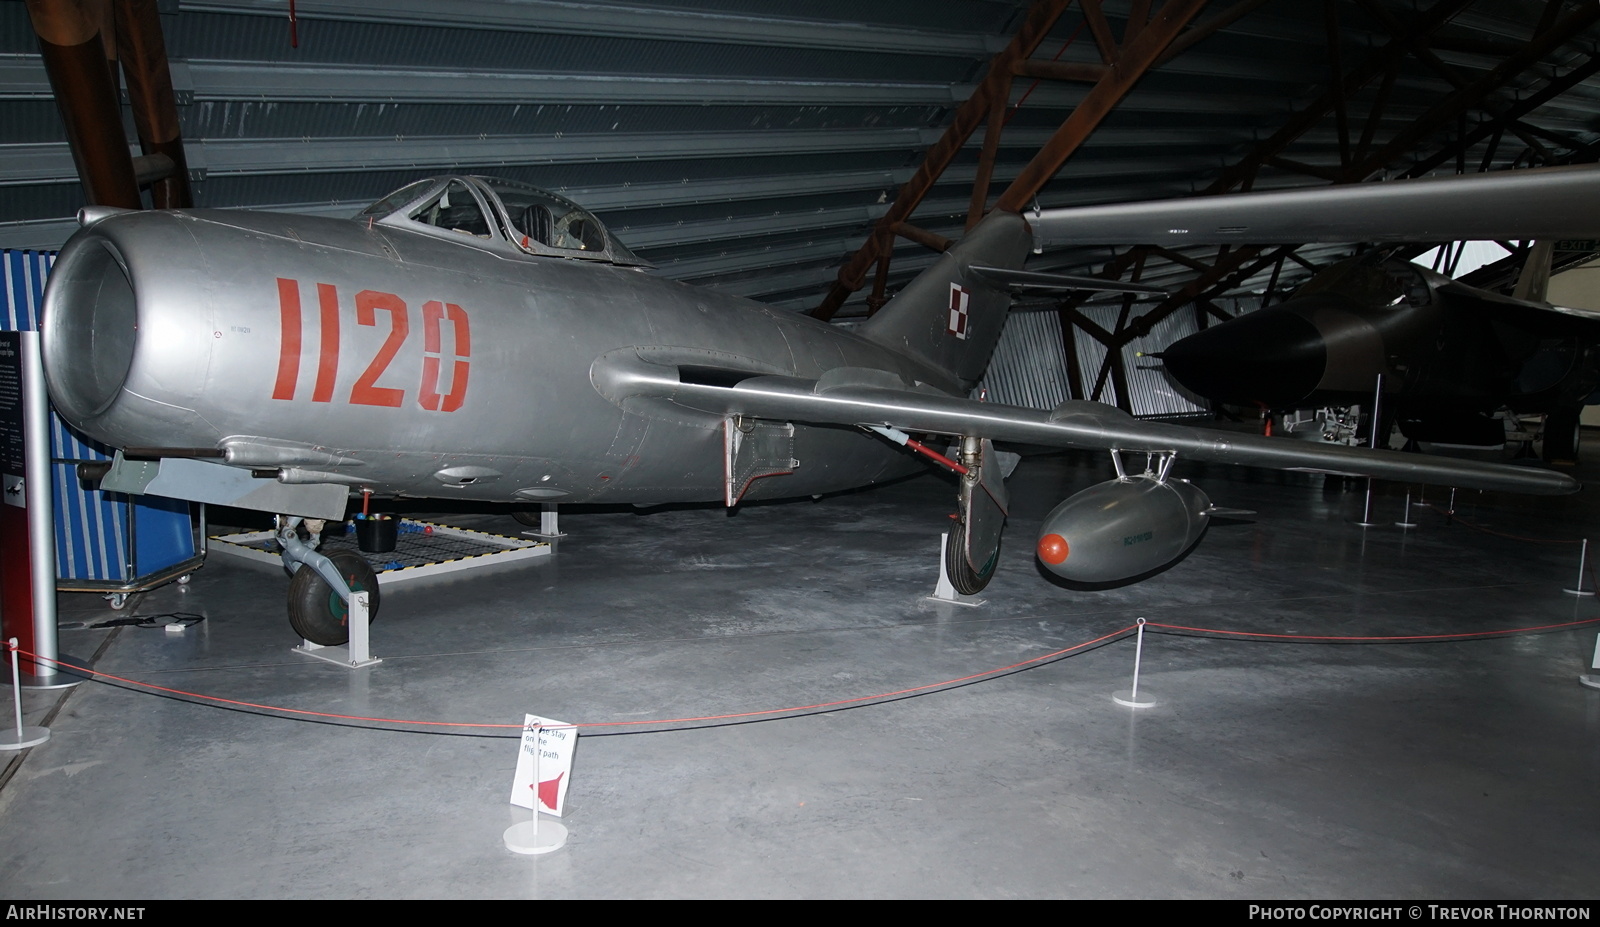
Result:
1122,528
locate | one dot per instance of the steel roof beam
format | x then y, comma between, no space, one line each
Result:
1375,65
1474,93
1131,62
618,21
995,90
77,41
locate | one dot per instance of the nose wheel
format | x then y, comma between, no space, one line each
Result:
321,615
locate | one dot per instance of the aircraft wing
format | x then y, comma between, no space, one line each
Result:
1457,288
1548,202
854,396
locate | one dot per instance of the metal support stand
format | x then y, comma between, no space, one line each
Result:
1130,697
1583,559
22,737
943,591
531,838
1405,520
549,527
354,654
1372,442
52,669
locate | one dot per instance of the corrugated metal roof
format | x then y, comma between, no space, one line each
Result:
749,144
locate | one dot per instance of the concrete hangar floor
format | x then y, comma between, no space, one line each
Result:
1269,769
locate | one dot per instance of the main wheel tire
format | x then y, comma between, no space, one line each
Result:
965,580
317,613
1561,434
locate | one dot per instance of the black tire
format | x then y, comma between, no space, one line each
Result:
317,613
527,517
1561,434
965,580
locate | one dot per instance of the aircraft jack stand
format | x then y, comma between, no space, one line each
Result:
549,528
944,591
1592,679
353,655
1131,697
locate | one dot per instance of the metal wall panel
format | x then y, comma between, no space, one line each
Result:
1150,392
1028,367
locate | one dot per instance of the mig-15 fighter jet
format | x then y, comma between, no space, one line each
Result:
473,338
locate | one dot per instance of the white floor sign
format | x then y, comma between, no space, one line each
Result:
551,757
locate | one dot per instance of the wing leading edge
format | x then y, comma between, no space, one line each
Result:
848,396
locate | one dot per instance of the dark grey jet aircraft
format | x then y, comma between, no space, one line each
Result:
472,338
1451,355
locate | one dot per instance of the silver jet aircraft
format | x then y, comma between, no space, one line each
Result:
472,338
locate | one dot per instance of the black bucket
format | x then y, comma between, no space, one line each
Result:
376,534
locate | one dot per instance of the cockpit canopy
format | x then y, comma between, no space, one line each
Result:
504,213
1372,280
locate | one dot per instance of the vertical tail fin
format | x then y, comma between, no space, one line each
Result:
1533,283
948,316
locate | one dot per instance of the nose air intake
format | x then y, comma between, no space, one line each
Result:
91,327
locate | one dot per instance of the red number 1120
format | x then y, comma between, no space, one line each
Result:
366,391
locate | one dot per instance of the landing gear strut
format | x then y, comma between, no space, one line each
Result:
973,547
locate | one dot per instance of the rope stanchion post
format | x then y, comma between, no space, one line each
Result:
22,737
657,724
527,837
1592,678
1583,561
1372,442
1130,697
1405,520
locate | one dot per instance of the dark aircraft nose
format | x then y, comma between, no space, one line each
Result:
1269,357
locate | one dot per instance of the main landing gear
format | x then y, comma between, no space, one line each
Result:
973,548
320,587
972,544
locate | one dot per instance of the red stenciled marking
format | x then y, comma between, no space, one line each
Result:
328,346
366,392
549,790
433,314
289,345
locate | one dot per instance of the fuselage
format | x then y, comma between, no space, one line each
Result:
325,350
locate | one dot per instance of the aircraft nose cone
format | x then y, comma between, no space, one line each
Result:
1270,356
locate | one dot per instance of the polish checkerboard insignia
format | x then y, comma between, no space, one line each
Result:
960,299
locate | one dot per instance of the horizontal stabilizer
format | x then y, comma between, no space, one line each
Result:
1547,202
1038,280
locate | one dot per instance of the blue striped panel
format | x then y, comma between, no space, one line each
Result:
91,526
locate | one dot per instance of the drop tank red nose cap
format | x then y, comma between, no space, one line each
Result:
1053,549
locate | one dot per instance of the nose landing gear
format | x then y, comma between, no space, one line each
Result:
319,597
